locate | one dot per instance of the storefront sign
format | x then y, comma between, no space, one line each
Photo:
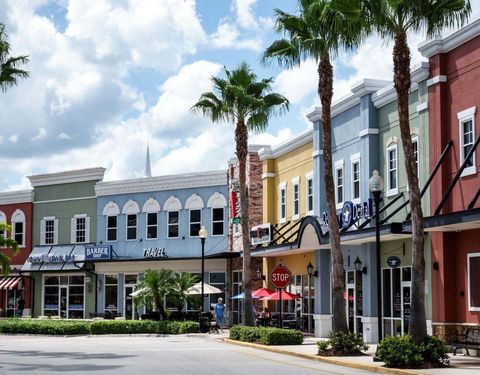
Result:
155,252
98,252
261,234
281,277
235,207
351,213
393,261
51,258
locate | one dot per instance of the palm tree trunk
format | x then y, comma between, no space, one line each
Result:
241,139
401,63
325,91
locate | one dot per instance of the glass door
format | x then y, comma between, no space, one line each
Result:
63,295
354,301
128,303
12,299
396,285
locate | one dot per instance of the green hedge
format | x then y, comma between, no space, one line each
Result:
99,327
266,335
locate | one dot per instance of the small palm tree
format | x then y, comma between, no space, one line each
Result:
6,243
153,288
240,98
181,282
9,66
393,20
317,32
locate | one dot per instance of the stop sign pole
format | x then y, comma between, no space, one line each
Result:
281,277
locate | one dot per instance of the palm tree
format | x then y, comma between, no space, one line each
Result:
181,282
6,243
241,99
317,32
393,20
153,289
9,66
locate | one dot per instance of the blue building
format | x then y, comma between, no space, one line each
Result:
153,223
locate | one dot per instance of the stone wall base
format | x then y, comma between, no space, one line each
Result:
449,331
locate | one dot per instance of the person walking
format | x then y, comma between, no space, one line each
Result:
20,307
220,314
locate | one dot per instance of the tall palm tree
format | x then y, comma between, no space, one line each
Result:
181,282
240,98
393,20
317,32
6,243
9,66
153,289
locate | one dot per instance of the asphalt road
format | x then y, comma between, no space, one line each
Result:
183,354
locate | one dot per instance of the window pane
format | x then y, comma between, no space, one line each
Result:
397,299
76,280
111,279
195,216
152,219
131,220
407,274
112,221
217,229
152,232
132,233
111,235
173,230
474,273
173,217
387,312
217,214
194,229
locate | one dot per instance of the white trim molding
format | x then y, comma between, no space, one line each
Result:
151,206
267,175
368,131
317,153
463,117
437,79
217,200
22,196
287,146
422,107
88,174
111,209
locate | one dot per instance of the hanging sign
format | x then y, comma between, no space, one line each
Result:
351,213
155,253
393,261
98,252
261,234
235,207
281,277
51,258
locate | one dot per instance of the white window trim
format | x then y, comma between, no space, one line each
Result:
146,225
24,227
190,222
471,255
295,182
126,227
43,230
339,164
223,221
3,220
391,192
309,177
282,187
107,228
178,224
73,228
59,275
466,115
355,158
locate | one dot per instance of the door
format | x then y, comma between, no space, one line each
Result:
354,301
63,301
396,285
128,305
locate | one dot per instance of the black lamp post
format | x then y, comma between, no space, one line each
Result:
358,264
203,235
309,302
376,187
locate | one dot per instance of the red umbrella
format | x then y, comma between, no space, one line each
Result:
276,296
262,292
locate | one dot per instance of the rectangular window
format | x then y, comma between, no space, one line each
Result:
467,139
217,221
49,232
152,225
18,234
296,199
356,180
111,295
173,224
195,222
392,170
80,231
339,185
132,227
474,281
112,228
309,194
283,202
415,150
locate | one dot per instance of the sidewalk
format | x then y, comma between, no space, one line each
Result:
460,364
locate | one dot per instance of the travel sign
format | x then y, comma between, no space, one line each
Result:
351,213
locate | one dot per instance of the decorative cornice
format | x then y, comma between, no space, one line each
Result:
422,107
317,153
340,106
170,182
267,175
255,148
364,132
283,148
437,79
368,86
265,153
89,174
445,44
22,196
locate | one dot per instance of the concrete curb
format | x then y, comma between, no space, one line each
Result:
329,360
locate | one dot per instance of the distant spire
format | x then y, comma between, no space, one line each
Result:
148,170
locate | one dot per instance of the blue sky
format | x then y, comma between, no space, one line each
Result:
110,76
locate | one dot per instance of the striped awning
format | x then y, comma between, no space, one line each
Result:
9,282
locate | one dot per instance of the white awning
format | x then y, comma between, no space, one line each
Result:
9,282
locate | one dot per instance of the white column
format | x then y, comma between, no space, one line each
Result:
323,325
370,329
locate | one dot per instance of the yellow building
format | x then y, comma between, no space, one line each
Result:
287,199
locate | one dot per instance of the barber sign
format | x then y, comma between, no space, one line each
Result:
281,277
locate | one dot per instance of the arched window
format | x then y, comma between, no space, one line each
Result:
3,220
111,212
18,227
194,204
131,210
391,159
217,203
173,206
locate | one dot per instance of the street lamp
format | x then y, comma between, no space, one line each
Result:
376,187
203,233
309,302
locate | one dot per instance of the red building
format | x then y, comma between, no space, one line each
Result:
16,210
453,105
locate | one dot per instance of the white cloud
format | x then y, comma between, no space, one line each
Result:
228,36
298,82
244,13
64,136
272,139
42,134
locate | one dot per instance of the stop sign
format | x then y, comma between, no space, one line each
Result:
281,277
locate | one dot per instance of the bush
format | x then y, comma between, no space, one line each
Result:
103,327
266,335
403,352
44,327
342,343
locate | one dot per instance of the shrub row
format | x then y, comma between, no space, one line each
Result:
266,335
100,327
342,344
